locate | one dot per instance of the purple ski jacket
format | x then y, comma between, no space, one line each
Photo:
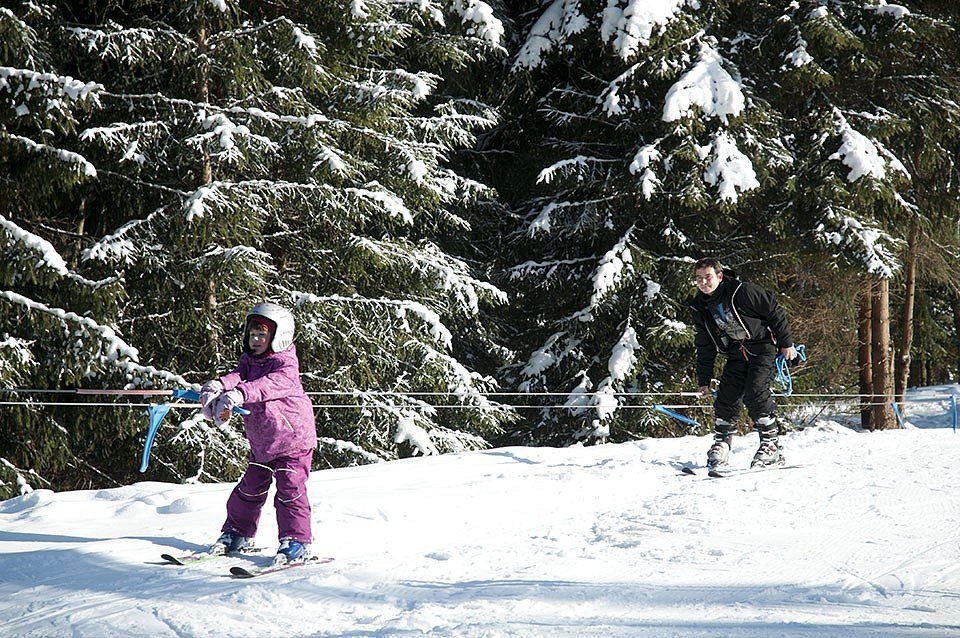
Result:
281,418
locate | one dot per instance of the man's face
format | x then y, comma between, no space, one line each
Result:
707,280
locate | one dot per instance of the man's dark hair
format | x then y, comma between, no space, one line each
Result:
709,262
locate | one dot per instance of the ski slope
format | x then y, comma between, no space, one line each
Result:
862,540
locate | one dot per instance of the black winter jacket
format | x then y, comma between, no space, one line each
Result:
753,307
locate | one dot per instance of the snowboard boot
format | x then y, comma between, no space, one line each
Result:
230,542
291,550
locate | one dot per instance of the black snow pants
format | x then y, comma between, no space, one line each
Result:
746,380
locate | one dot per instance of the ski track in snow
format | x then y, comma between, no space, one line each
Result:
863,539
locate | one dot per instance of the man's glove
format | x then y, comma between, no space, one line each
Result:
225,404
208,396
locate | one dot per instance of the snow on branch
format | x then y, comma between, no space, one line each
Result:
382,200
130,45
642,163
201,199
256,266
126,137
875,248
553,351
896,11
349,448
862,155
479,21
78,161
116,348
730,171
609,273
443,271
226,134
603,401
707,86
452,274
621,363
117,247
561,20
631,27
47,254
579,166
623,358
399,308
23,84
545,270
799,56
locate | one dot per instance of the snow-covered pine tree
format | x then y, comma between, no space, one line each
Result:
870,90
232,152
754,131
655,142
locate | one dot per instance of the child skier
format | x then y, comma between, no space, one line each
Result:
281,430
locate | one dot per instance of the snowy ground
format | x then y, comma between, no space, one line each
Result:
862,540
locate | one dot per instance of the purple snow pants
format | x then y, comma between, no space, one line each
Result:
291,502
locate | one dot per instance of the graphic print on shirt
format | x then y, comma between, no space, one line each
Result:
727,322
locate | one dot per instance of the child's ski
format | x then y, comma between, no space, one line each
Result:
238,571
193,558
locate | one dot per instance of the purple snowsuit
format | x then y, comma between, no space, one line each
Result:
282,434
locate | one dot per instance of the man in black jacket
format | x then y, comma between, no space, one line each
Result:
744,322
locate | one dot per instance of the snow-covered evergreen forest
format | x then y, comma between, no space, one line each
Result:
483,215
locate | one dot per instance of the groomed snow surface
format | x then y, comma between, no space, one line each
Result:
863,539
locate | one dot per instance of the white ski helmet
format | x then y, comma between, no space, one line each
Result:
282,321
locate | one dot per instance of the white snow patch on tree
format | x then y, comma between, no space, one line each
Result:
542,223
623,358
897,11
642,163
479,21
196,205
388,202
864,156
47,254
707,86
578,164
614,263
870,243
305,41
69,157
730,171
631,27
799,56
408,431
555,25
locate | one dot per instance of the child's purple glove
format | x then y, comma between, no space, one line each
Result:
208,396
225,404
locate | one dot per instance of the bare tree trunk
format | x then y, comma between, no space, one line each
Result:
863,355
882,414
906,319
955,303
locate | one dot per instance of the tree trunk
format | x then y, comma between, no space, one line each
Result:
906,319
863,355
881,413
955,303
